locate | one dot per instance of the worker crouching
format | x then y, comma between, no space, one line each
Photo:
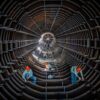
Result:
28,75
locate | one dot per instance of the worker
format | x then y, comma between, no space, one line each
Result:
76,73
28,75
80,73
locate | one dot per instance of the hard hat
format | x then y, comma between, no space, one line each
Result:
78,69
27,68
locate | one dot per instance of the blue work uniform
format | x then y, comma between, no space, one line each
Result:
73,75
28,75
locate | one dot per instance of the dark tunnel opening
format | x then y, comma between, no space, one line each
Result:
55,33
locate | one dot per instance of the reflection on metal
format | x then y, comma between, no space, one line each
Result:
50,76
47,49
47,41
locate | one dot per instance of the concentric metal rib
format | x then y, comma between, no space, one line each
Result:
76,27
57,13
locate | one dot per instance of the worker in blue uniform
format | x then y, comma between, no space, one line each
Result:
28,75
76,74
